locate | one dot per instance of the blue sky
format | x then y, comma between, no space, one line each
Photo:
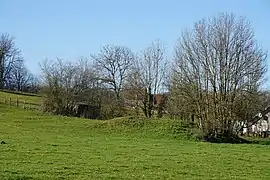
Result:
70,29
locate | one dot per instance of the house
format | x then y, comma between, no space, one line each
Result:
132,97
158,99
260,127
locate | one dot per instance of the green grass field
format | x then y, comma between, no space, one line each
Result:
20,96
54,147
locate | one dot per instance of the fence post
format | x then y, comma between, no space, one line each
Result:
17,102
23,104
9,101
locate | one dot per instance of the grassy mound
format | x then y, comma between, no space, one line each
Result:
142,127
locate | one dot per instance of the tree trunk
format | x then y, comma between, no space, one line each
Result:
1,76
149,102
1,70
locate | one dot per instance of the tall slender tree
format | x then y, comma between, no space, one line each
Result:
10,55
148,76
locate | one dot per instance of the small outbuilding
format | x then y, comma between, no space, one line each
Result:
85,110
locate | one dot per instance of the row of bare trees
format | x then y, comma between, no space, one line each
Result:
120,79
13,73
131,76
216,77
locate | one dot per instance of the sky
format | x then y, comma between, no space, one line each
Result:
72,29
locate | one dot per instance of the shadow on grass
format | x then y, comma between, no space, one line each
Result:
237,140
265,141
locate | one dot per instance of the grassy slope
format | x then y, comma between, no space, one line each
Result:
20,96
26,100
54,147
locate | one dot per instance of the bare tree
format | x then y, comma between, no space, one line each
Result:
66,83
20,77
216,64
113,63
149,75
34,85
9,56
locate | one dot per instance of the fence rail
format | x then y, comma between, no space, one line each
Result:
21,103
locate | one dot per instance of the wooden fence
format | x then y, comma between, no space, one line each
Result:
21,103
